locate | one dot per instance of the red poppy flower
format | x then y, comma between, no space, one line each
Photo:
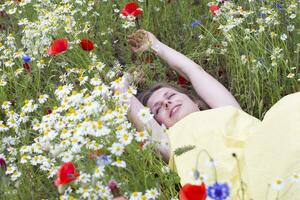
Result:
213,9
182,81
87,45
27,67
66,174
58,46
192,192
131,9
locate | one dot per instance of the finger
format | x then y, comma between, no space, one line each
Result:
133,43
141,38
143,32
139,34
135,50
131,35
139,31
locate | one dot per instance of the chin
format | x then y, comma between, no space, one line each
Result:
181,115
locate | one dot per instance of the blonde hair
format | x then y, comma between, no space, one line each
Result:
144,96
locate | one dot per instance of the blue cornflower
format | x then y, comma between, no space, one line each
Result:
195,23
218,191
26,58
103,160
262,15
278,6
260,60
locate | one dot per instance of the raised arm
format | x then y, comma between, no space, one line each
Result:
158,136
157,133
207,87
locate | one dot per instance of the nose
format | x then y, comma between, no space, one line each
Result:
166,103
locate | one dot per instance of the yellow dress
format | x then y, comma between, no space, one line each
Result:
267,153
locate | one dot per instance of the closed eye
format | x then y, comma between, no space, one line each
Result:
171,95
157,110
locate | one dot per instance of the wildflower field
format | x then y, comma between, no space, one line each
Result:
64,132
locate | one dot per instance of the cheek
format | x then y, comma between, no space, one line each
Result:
161,117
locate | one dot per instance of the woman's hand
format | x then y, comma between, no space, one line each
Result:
142,40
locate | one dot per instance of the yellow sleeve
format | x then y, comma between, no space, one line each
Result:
273,152
220,132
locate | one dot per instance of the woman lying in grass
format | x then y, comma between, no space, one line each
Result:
224,143
166,103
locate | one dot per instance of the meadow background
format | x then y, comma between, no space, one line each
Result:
61,108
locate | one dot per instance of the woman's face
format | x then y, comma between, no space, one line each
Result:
169,106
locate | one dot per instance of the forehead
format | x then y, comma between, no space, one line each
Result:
157,95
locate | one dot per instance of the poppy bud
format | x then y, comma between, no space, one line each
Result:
48,111
3,165
113,186
86,45
27,67
182,81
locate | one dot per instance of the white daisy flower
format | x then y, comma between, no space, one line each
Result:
283,37
43,98
63,91
290,28
16,174
3,127
95,81
10,170
136,196
278,184
99,171
145,115
117,149
152,193
290,75
141,136
119,163
6,105
295,178
125,138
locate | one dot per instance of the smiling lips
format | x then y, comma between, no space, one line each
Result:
174,109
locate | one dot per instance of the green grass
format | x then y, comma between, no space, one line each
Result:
256,84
